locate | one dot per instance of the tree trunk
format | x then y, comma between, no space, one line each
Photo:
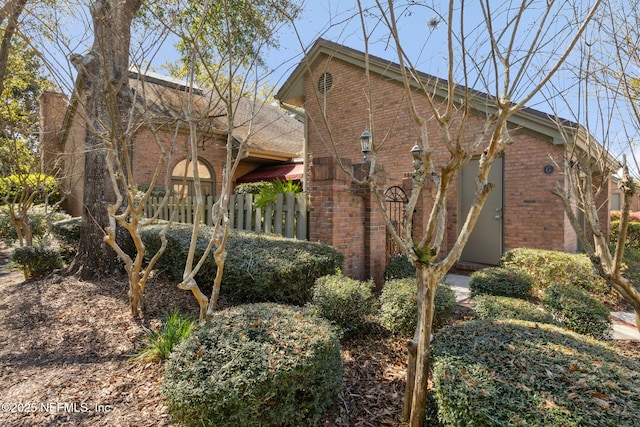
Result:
415,406
105,72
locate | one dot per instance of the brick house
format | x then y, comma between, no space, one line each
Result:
329,86
273,139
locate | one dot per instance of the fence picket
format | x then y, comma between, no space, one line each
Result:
287,216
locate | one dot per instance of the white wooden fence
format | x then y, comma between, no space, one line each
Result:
287,216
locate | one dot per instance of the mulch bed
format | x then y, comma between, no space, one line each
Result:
65,347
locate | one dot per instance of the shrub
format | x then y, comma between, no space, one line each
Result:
633,216
553,267
158,343
249,187
515,373
633,234
399,307
37,218
258,267
269,192
346,303
496,307
500,282
255,365
68,231
36,261
631,265
577,310
12,186
399,268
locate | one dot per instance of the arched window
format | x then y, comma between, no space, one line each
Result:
183,169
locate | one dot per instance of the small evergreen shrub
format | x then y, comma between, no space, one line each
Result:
36,261
158,343
633,234
515,373
500,282
67,231
495,307
258,267
399,306
37,218
249,187
553,267
347,303
577,310
399,268
255,365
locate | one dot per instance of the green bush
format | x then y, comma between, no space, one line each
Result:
68,231
249,187
553,267
347,303
37,218
500,282
255,365
515,373
399,306
36,261
577,310
399,268
496,307
258,267
631,265
633,234
269,192
158,343
12,187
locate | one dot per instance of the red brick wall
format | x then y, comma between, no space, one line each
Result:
532,215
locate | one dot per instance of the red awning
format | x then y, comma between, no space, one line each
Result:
271,173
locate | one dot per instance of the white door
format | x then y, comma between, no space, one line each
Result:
485,242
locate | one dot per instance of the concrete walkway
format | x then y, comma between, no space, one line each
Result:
623,323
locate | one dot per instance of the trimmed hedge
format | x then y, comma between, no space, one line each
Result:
347,303
515,373
255,365
501,282
633,234
36,261
553,267
258,267
496,307
577,310
399,268
399,306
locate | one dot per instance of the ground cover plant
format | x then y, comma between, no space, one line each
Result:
255,365
577,310
516,373
501,282
496,307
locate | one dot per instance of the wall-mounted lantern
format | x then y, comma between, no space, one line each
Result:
416,152
366,143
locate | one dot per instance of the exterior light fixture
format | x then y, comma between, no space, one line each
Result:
416,152
365,143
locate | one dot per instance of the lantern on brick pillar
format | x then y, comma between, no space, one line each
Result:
366,144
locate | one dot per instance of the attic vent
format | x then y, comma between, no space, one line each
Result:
325,82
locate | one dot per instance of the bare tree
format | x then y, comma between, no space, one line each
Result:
497,53
222,53
608,103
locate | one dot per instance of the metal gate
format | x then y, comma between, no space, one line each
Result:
396,201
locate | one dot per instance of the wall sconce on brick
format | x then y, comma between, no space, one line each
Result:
366,143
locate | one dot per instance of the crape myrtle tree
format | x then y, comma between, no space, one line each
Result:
508,50
222,44
609,107
22,179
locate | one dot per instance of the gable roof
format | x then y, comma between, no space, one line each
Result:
262,126
292,91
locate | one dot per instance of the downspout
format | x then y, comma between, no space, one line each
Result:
301,113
